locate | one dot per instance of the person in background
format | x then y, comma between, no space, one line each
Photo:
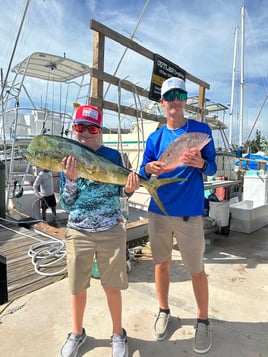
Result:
43,187
94,229
184,203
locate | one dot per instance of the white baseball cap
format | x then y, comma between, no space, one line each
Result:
172,83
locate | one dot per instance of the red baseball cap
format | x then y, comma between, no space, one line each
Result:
88,114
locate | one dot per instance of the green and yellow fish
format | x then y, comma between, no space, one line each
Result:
47,152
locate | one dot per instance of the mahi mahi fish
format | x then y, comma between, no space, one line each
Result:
47,152
172,156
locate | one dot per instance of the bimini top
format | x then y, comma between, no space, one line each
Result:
216,124
50,67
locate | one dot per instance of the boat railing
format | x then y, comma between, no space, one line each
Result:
18,126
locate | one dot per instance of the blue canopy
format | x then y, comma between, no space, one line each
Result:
252,164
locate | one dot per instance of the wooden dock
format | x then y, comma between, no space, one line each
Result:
15,244
18,240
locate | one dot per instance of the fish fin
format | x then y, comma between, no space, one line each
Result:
155,184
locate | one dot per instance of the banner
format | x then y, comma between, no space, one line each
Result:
162,70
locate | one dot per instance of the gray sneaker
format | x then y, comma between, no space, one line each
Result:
119,345
160,326
203,338
72,344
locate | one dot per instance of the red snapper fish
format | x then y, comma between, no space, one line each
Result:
172,156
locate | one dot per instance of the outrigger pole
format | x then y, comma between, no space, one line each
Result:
14,48
131,37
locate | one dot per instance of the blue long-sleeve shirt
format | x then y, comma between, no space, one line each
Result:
185,198
92,206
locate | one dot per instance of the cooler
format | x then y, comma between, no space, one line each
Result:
256,188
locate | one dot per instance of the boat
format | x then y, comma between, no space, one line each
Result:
20,124
132,143
22,118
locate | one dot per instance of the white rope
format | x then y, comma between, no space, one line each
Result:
46,255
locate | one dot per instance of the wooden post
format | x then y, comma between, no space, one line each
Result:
98,63
201,101
3,280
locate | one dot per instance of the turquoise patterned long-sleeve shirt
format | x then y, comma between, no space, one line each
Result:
92,206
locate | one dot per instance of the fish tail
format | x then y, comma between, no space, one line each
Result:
153,186
153,193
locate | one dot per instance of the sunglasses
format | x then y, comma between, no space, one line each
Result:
81,128
171,94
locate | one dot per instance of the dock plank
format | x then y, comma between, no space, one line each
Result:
15,242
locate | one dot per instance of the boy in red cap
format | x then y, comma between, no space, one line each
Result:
94,229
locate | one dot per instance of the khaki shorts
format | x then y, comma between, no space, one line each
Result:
189,236
109,247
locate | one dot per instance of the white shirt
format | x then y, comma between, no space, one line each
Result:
44,180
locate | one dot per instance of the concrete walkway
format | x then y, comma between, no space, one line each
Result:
36,325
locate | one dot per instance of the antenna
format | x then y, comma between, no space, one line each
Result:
131,37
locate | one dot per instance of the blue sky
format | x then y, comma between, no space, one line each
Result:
196,35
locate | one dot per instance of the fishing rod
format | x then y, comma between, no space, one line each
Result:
15,47
125,51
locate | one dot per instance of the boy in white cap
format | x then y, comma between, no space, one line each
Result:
94,229
184,203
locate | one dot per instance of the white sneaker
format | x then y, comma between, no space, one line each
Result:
119,345
72,344
160,326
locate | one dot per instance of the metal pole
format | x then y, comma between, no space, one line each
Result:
232,92
241,117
